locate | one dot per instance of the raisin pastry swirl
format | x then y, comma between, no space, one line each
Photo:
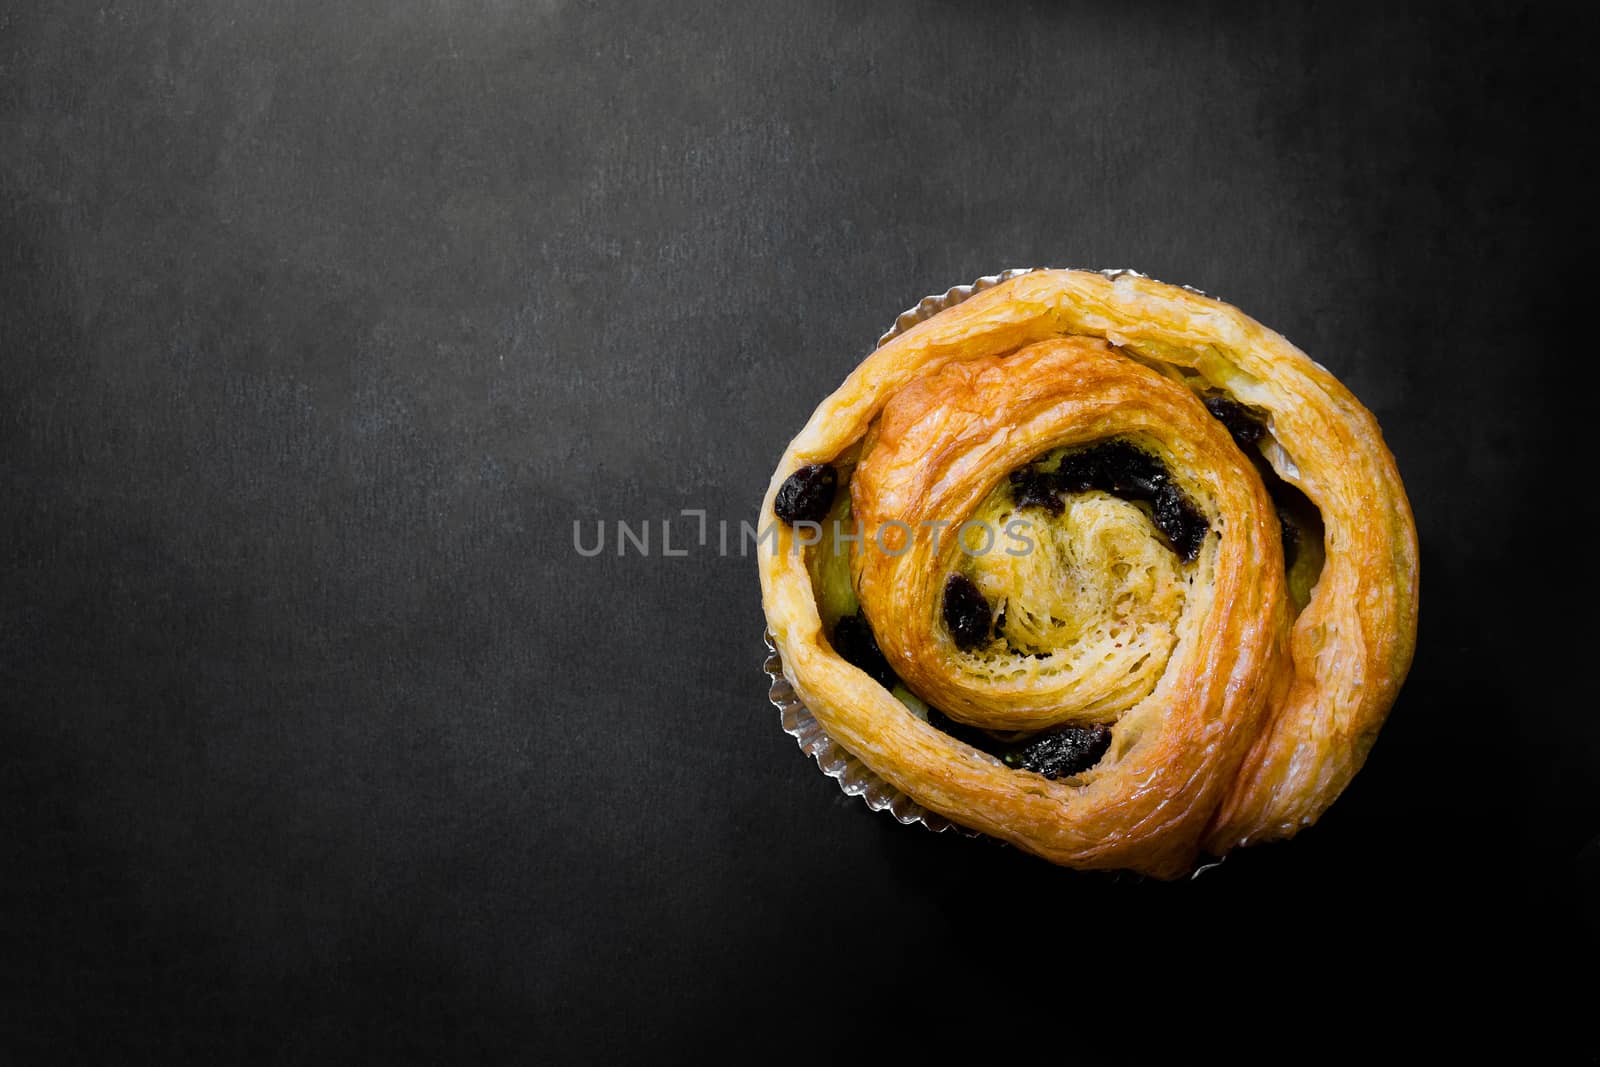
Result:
1134,580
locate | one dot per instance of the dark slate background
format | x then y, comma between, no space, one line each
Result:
322,323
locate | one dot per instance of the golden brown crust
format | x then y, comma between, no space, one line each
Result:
1253,719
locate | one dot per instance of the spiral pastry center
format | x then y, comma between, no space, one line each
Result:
1073,568
1092,597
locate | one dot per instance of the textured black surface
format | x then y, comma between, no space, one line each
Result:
322,323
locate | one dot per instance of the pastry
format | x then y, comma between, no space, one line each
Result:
1097,566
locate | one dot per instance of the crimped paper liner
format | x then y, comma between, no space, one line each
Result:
855,778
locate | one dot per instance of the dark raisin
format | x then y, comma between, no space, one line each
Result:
1062,752
1131,472
1125,470
1079,472
966,613
1291,538
1183,523
1118,467
807,494
1057,753
855,644
1033,488
1245,425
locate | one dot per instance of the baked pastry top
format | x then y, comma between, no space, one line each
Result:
1097,566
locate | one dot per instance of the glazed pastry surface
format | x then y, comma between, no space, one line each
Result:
1212,624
